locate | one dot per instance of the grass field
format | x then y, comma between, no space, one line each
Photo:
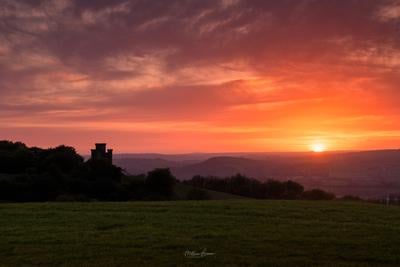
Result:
239,232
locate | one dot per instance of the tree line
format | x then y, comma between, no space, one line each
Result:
250,187
36,174
61,174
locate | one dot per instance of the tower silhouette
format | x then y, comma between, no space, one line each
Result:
101,153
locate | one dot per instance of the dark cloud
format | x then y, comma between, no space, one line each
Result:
83,33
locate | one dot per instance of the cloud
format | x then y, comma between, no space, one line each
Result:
310,65
390,11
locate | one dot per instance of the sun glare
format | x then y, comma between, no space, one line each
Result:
318,147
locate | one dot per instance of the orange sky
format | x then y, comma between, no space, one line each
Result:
201,76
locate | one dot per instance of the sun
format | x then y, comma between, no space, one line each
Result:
318,147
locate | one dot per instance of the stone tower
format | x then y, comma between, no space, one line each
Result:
101,153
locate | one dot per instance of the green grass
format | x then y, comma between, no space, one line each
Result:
240,232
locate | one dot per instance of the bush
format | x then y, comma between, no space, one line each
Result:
160,183
135,185
317,194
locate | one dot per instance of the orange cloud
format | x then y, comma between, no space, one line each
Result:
181,76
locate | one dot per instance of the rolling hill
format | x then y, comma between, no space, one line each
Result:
369,174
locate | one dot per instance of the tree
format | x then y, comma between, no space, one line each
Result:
62,157
317,194
160,183
293,190
274,189
15,157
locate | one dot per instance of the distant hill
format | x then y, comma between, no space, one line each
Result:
222,166
143,165
368,174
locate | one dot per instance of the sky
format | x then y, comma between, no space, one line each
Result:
202,75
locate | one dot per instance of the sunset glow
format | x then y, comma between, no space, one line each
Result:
318,147
201,76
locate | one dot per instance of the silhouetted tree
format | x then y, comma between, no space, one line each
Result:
249,187
135,185
293,190
274,189
317,194
102,170
15,157
62,157
35,174
160,183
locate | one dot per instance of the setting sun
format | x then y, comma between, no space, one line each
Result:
318,147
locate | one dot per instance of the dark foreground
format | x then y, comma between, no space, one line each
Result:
239,232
